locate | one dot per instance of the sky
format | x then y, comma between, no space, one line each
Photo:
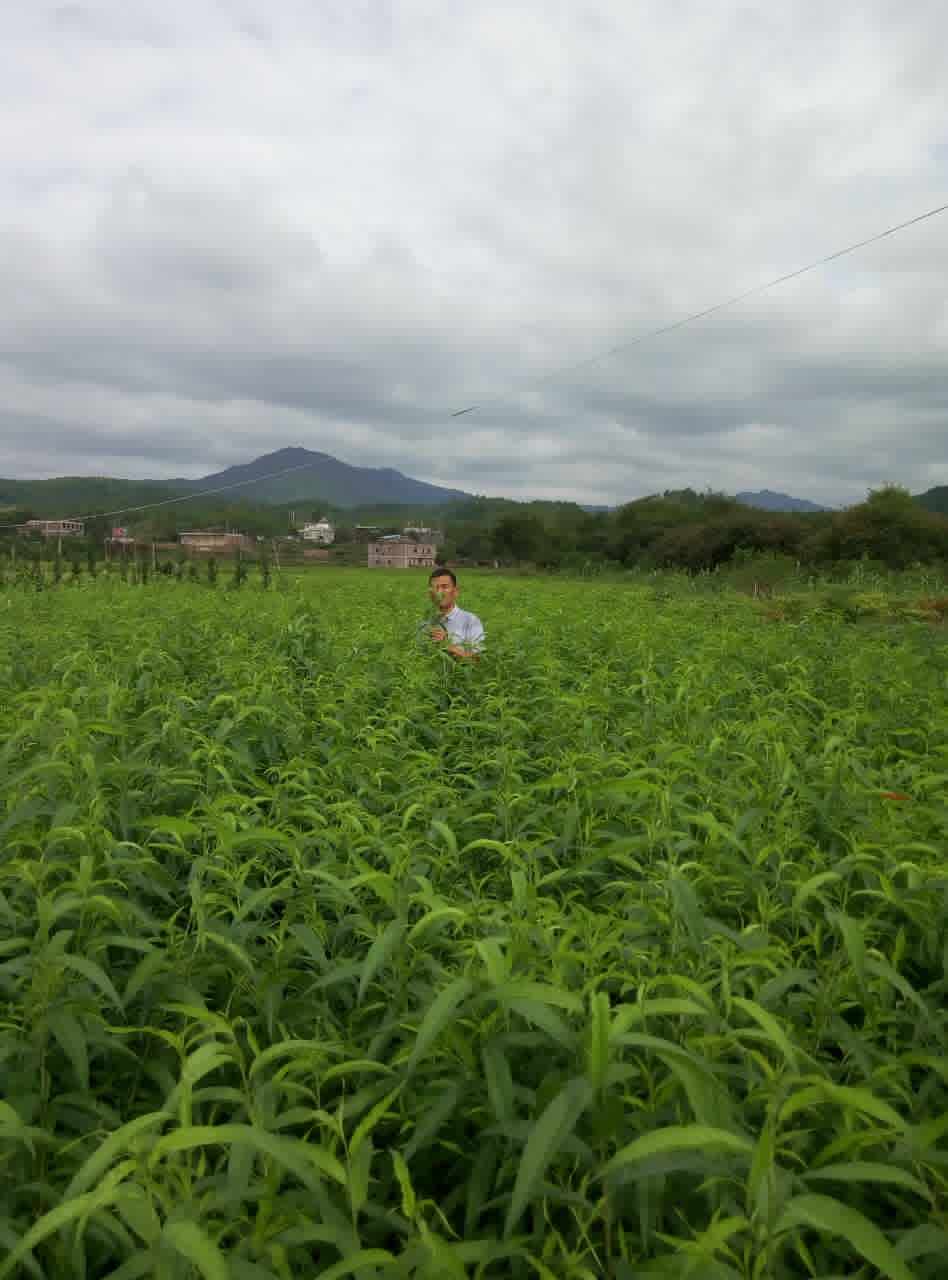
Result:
235,226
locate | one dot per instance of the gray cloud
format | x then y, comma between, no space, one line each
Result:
227,230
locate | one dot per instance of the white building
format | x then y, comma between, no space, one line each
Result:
321,531
421,533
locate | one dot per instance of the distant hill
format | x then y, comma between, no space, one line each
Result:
84,495
935,499
311,476
767,500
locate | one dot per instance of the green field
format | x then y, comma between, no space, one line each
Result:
622,954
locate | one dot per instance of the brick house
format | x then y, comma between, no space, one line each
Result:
401,553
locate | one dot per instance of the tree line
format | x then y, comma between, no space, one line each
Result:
681,529
698,532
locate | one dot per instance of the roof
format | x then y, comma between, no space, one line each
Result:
398,537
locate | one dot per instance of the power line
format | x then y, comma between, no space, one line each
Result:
185,497
579,364
700,315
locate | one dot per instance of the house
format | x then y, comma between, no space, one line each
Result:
212,540
320,531
54,528
399,552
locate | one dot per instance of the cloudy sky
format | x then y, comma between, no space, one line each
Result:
227,226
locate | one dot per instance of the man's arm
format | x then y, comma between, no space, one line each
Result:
471,646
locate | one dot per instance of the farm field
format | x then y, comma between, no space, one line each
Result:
624,953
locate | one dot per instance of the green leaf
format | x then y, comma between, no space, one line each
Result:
770,1027
882,969
371,1119
55,1220
846,1096
357,1262
832,1217
68,1031
192,1243
868,1171
409,1204
688,1137
359,1170
94,974
122,1140
303,1159
442,1010
854,942
499,1080
547,1019
379,952
812,885
627,1015
541,992
687,907
146,969
556,1123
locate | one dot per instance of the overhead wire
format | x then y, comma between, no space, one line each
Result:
184,497
700,315
554,373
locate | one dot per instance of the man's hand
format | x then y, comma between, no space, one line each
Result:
458,651
438,634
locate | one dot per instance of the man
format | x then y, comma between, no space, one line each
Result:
463,630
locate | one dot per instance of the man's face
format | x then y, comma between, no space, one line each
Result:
443,592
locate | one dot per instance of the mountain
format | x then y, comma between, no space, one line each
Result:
766,500
935,499
309,477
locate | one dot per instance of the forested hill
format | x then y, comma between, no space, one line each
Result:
296,475
935,499
302,476
82,495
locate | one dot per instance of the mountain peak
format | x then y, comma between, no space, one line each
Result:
297,474
767,500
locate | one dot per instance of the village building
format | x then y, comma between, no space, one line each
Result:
421,533
212,540
54,528
320,531
399,552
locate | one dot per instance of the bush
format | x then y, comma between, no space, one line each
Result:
759,574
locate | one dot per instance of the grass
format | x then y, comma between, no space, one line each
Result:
622,954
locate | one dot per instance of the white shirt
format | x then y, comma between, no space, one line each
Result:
464,628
